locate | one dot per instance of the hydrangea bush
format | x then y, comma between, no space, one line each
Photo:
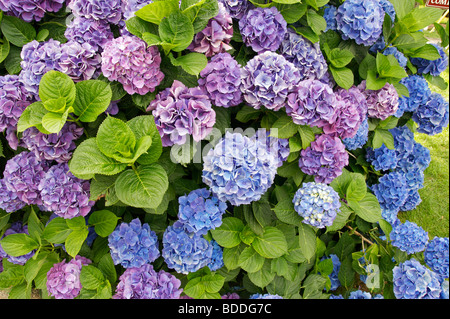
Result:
218,149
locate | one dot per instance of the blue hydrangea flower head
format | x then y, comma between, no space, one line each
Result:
414,176
382,158
360,139
433,67
403,141
317,203
95,32
107,10
216,257
432,117
265,296
409,237
388,8
335,283
391,191
359,294
412,201
133,244
445,289
436,255
419,93
329,15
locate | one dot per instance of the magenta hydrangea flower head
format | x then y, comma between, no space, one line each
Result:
180,111
145,283
22,176
30,10
63,279
64,194
107,10
221,80
381,103
79,61
16,228
9,201
95,32
324,158
55,146
216,36
237,8
312,102
267,79
128,60
263,29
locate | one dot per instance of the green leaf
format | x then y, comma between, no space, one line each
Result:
54,122
55,85
199,15
18,244
428,52
56,231
12,61
315,21
116,140
213,283
193,63
341,183
368,208
31,116
341,218
92,99
152,39
227,235
91,277
291,12
402,7
368,63
307,241
74,241
158,10
264,276
306,134
104,222
76,223
284,210
357,188
247,113
383,136
11,277
4,49
340,57
143,187
343,76
194,288
436,81
139,27
284,127
419,18
231,256
271,244
373,82
17,31
346,274
410,41
144,125
176,30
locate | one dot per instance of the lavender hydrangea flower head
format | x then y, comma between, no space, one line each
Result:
306,56
312,103
22,176
216,36
237,8
79,61
238,169
30,10
145,283
360,139
381,103
131,6
181,112
433,116
402,60
360,20
200,211
109,10
63,279
324,158
436,255
382,158
185,252
329,15
409,237
95,32
277,146
419,93
267,80
55,146
221,80
317,203
216,258
9,201
16,228
263,29
265,296
391,191
133,244
64,194
433,67
128,60
415,281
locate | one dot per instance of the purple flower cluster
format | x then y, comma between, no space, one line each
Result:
133,244
419,93
9,201
216,36
95,32
263,29
382,158
279,147
16,228
107,10
436,255
145,283
433,67
324,158
391,191
267,79
128,60
180,111
237,8
64,194
30,10
63,279
79,61
221,80
360,139
432,116
131,6
409,237
381,103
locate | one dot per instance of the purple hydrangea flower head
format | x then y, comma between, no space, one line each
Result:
109,10
412,201
37,59
265,296
313,103
216,257
433,116
360,20
382,158
221,80
63,279
415,281
279,147
419,93
216,36
263,29
16,228
200,211
181,112
402,60
55,146
335,283
381,103
267,80
22,176
403,141
238,169
131,6
30,10
305,56
329,15
9,201
128,60
79,61
237,8
436,255
317,203
230,295
95,32
324,158
409,237
145,283
391,191
360,139
183,251
133,244
433,67
64,194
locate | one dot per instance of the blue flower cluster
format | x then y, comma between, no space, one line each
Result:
265,296
317,203
409,237
335,283
403,141
419,93
382,158
216,257
436,255
432,116
133,244
329,15
361,137
388,8
433,67
391,191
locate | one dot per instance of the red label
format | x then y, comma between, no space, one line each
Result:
443,4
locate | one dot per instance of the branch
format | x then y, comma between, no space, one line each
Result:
359,234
